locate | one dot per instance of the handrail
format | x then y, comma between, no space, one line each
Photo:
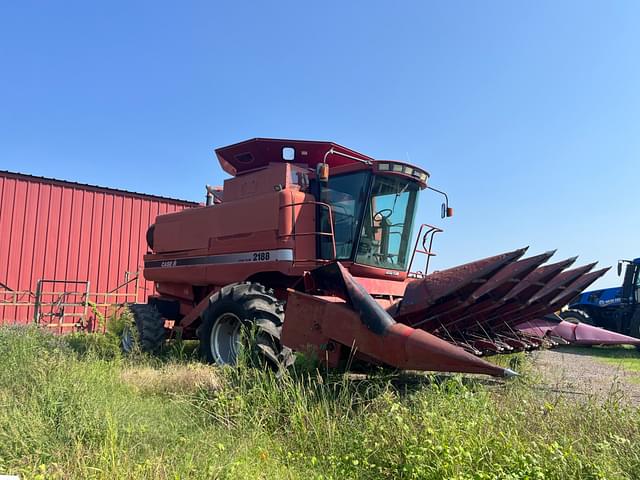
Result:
293,222
428,236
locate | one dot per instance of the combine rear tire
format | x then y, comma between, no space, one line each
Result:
576,316
244,311
146,331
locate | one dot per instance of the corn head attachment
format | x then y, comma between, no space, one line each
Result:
485,306
342,315
554,329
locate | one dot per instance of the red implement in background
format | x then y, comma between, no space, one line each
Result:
574,333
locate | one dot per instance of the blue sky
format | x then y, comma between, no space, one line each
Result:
526,113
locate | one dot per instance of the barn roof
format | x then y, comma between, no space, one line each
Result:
88,186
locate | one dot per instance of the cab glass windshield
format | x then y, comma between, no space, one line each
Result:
385,235
347,195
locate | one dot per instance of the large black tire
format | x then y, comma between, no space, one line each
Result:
576,316
244,312
147,331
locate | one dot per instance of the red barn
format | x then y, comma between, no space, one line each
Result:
69,252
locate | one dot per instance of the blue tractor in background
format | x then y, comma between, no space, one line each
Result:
616,309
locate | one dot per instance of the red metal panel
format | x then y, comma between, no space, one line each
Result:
116,233
41,238
120,254
153,213
106,244
125,242
152,210
86,224
73,253
15,240
64,234
96,240
75,235
51,240
26,258
6,224
51,229
137,240
2,210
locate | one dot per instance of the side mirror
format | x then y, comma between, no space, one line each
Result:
322,170
619,268
446,211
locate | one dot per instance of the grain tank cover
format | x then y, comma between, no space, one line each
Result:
259,152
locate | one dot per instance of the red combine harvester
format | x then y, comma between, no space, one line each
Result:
309,245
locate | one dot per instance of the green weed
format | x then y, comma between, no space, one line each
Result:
72,408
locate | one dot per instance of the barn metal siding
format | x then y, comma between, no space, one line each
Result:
57,230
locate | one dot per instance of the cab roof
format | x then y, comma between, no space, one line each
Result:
259,152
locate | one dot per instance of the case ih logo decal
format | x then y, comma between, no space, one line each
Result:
279,255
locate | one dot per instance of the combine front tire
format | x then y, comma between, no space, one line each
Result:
146,331
576,316
244,317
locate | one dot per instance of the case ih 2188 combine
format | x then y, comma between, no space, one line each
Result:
309,247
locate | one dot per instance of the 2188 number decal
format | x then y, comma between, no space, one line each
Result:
260,256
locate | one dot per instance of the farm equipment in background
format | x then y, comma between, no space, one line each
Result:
614,309
556,331
309,247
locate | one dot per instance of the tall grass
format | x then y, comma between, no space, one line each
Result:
74,408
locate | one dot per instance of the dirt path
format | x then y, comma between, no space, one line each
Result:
583,375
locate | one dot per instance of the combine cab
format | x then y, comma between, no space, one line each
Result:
310,247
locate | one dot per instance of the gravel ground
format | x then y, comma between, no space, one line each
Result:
582,376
